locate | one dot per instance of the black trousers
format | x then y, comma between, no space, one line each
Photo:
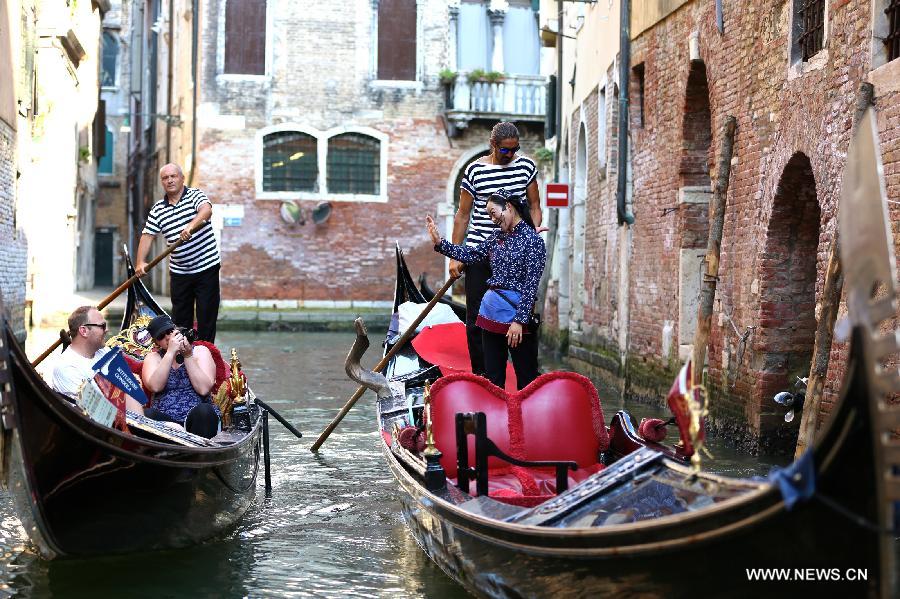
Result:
476,286
202,420
201,290
524,358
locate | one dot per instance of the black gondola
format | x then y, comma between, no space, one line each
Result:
648,525
83,489
428,293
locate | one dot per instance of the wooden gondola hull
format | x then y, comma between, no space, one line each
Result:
82,489
703,553
495,561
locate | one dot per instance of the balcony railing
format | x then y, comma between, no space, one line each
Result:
520,96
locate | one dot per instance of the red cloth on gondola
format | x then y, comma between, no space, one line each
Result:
445,346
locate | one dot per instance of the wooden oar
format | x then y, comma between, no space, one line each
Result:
118,291
397,346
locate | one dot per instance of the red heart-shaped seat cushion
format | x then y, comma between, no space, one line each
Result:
557,417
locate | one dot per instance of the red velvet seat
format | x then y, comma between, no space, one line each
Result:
556,418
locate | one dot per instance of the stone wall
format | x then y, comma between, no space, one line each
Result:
13,258
321,77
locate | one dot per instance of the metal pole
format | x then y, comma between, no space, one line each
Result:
268,469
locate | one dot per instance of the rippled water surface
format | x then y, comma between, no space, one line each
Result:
332,526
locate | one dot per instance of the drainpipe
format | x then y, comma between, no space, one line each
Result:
624,68
170,66
195,34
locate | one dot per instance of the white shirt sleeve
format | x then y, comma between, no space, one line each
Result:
67,379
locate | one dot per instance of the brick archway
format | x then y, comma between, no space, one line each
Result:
783,343
694,195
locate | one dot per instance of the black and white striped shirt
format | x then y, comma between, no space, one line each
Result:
481,180
198,253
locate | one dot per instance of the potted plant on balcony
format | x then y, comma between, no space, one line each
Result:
448,79
475,76
494,77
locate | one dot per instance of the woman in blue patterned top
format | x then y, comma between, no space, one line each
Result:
181,376
517,256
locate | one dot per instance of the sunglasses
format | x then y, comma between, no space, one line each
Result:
509,150
99,326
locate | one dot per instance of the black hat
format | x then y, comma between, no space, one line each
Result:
159,326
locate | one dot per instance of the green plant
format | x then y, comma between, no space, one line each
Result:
476,75
494,77
84,154
543,157
447,76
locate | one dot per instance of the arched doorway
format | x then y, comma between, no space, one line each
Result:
577,292
787,275
694,195
447,210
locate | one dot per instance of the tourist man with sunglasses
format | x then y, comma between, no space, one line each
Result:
503,168
87,328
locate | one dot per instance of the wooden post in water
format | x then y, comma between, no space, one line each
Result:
713,246
827,308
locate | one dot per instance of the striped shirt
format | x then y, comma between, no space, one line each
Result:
198,253
481,180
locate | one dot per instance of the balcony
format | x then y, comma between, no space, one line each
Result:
515,98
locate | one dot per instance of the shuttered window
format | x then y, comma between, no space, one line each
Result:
397,40
289,162
354,164
245,37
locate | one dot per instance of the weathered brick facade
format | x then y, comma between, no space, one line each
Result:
13,258
794,125
321,77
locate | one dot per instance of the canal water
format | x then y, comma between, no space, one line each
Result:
332,526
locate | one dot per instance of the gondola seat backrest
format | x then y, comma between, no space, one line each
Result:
557,417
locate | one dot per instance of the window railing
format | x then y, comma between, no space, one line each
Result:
892,40
522,95
811,17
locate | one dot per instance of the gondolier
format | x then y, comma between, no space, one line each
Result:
194,266
505,169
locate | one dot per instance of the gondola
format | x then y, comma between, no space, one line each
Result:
643,523
84,489
427,293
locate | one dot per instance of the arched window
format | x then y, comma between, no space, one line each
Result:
110,57
354,164
105,165
290,162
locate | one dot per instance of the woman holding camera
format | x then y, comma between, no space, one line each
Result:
517,255
181,376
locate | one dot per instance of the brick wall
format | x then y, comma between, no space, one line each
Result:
13,258
792,136
322,78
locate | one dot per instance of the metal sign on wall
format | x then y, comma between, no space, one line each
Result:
557,195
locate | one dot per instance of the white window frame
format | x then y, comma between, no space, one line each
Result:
116,72
322,138
415,84
221,75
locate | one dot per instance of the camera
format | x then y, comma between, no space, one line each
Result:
189,334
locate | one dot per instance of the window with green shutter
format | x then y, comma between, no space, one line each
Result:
354,164
290,162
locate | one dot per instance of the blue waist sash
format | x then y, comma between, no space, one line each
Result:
498,308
